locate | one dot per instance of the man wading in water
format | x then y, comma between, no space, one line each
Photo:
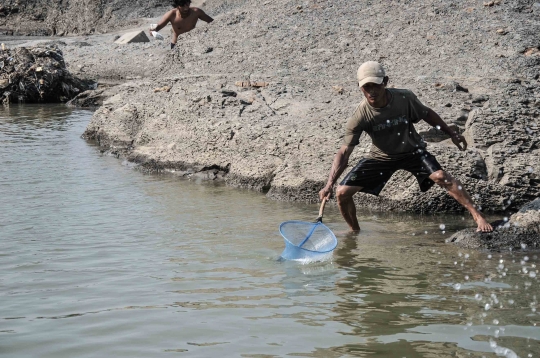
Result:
182,18
387,116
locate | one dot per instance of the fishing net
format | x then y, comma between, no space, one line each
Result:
303,239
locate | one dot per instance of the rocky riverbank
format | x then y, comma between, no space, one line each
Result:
75,17
259,97
280,138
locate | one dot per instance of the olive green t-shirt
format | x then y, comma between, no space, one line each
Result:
390,128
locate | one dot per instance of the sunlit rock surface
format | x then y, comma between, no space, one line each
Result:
520,231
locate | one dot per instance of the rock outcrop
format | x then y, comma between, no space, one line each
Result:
520,231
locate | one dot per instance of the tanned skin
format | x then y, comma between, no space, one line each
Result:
378,97
183,19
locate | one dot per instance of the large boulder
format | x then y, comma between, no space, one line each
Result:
520,231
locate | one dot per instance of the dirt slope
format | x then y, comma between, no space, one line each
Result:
477,63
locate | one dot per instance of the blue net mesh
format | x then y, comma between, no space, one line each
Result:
322,239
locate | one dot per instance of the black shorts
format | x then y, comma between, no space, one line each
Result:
372,174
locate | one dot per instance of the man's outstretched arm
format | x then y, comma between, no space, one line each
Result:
163,22
341,159
436,121
204,17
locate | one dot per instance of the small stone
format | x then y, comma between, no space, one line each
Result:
502,31
460,88
242,83
228,93
532,51
259,84
251,84
338,89
246,102
480,99
162,89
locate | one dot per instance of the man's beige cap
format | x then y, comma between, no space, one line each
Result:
370,71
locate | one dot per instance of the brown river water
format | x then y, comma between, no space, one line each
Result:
98,259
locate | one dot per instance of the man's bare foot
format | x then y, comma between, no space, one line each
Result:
347,233
483,225
352,234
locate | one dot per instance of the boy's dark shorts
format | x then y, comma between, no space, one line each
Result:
372,174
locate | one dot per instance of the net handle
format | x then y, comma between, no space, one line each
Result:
321,210
318,221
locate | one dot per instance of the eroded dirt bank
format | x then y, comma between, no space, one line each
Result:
476,65
259,97
74,17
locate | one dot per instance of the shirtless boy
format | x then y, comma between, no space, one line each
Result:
182,18
387,116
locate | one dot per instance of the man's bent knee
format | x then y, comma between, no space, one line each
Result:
441,178
341,194
344,192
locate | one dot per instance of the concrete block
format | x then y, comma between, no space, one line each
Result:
131,37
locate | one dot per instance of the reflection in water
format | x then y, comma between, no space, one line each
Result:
18,119
414,304
98,259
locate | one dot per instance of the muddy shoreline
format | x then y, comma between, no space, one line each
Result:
194,110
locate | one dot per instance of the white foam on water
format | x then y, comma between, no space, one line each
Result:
502,351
